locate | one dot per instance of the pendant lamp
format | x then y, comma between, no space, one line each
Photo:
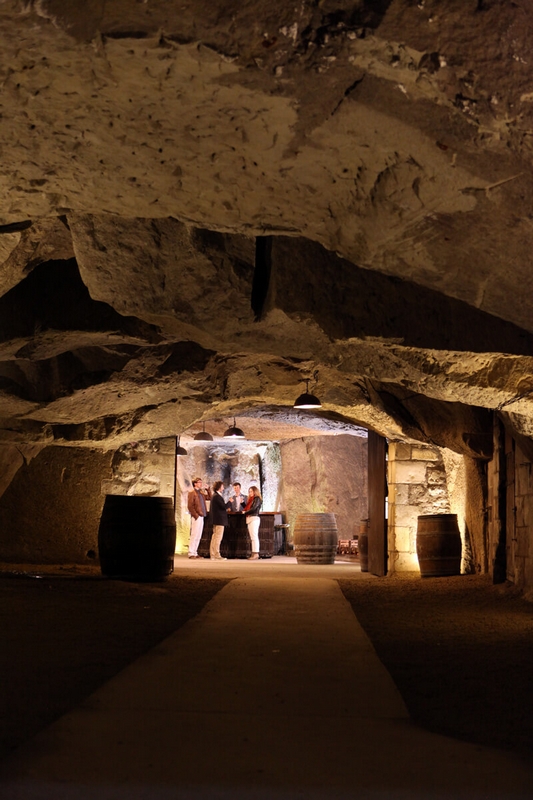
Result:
180,451
203,436
234,432
307,400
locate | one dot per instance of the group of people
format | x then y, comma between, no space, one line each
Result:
197,505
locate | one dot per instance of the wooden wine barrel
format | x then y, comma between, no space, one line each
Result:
315,538
236,543
137,537
266,536
438,545
363,545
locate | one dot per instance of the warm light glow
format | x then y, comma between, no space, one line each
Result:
307,400
234,432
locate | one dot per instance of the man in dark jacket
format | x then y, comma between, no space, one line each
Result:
219,517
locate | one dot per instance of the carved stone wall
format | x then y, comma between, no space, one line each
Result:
143,468
203,205
50,512
325,474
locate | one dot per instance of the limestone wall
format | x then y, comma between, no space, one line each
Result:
50,512
143,468
325,474
12,458
421,480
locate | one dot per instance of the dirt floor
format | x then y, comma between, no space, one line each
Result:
459,649
63,637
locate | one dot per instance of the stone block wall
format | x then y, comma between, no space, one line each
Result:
421,480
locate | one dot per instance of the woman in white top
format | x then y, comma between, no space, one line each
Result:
251,511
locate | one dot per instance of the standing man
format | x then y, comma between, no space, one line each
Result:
196,503
237,500
219,516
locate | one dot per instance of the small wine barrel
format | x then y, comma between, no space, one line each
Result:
438,545
315,538
137,537
363,545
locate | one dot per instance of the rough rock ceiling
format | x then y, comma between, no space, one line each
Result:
205,203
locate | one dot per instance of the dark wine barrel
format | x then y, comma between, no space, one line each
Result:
266,536
315,538
363,545
280,539
438,545
237,543
137,537
236,540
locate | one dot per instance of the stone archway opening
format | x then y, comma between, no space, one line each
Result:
302,462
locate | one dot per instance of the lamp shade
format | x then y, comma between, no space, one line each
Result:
180,451
234,432
203,436
307,400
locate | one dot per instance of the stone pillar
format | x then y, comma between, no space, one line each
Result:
421,480
520,518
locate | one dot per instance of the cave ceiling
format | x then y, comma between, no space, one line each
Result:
204,204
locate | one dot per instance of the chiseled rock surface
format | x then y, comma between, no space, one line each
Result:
205,204
313,471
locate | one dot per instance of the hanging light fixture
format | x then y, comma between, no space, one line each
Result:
180,451
203,436
234,432
307,400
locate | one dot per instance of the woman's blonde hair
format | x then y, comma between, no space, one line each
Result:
256,491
